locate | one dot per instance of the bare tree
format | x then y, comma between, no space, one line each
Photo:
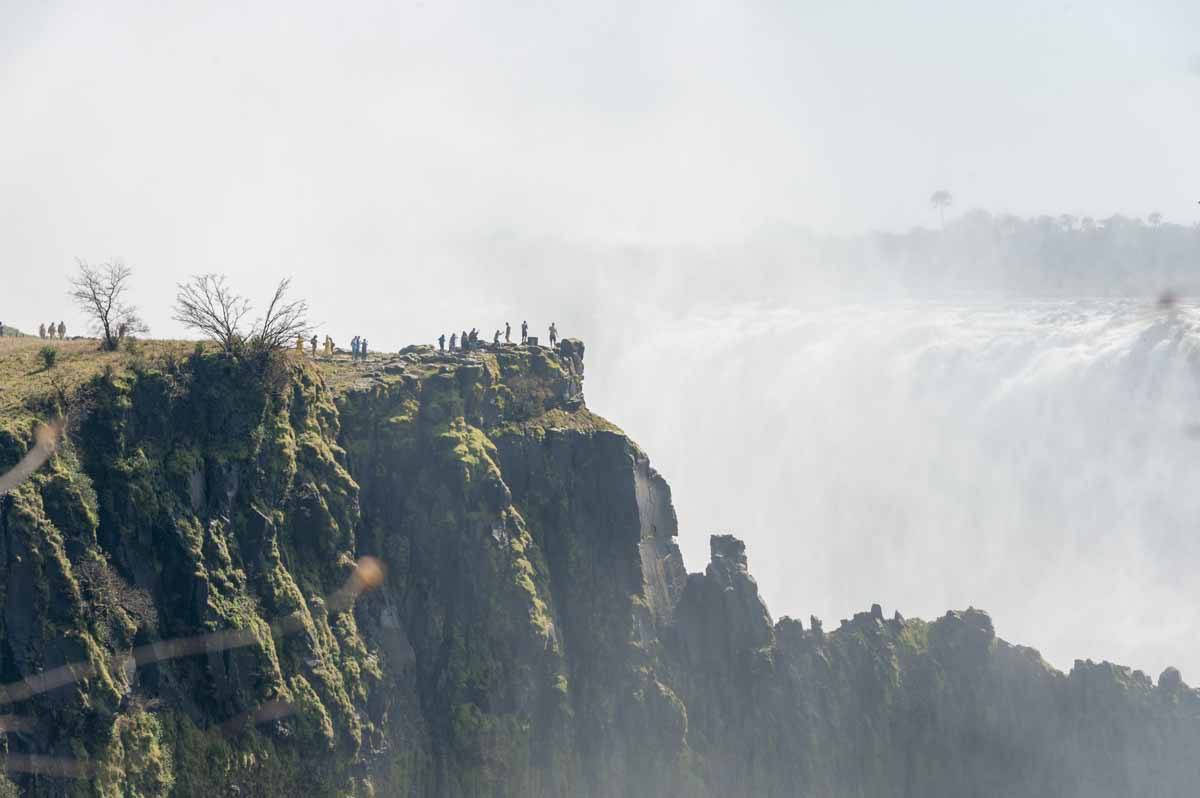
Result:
99,291
285,320
941,199
207,303
107,593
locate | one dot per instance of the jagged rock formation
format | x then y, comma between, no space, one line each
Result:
536,633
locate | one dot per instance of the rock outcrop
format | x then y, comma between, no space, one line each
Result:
178,614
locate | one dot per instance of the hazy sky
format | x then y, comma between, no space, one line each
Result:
355,139
429,166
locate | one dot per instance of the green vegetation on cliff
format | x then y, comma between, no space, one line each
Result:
186,563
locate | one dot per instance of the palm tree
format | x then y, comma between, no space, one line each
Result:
941,199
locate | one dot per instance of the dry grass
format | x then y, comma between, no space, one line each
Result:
24,378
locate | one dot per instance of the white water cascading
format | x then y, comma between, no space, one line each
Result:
1040,460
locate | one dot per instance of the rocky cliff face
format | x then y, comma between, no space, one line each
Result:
185,611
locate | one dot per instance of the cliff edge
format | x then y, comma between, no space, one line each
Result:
440,574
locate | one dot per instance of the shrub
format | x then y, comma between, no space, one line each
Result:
109,597
48,355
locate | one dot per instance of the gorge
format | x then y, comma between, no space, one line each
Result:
535,632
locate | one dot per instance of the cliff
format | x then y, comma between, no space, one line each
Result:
439,574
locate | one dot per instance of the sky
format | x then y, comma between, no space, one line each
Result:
364,143
423,167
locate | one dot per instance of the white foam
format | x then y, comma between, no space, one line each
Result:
1034,459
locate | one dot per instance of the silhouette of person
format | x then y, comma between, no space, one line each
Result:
507,333
441,342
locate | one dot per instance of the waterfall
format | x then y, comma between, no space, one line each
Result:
1037,459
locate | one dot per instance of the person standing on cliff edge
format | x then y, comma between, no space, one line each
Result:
442,342
524,332
553,335
507,333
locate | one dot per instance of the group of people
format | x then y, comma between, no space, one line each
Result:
470,340
466,342
51,331
358,346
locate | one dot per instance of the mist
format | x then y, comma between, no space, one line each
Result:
886,440
692,190
1035,460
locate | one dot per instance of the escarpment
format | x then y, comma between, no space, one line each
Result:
185,612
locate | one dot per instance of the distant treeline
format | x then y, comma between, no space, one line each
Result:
976,255
1063,255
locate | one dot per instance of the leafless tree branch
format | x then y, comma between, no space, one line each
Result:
284,321
206,303
99,291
